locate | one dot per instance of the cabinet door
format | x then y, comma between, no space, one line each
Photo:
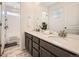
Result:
30,46
36,39
36,46
35,53
28,35
44,53
26,43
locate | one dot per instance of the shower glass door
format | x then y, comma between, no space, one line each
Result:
0,25
12,22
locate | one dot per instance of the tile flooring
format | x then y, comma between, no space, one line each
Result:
15,51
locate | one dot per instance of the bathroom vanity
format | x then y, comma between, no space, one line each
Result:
43,45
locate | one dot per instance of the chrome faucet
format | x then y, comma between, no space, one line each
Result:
63,33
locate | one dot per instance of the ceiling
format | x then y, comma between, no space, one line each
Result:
46,4
15,5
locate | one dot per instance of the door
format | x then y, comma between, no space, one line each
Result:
13,22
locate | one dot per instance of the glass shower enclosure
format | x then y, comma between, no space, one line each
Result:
0,24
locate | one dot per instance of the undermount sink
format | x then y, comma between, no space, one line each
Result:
49,32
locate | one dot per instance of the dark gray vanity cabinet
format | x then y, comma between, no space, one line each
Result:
55,50
36,47
40,48
35,53
45,53
28,42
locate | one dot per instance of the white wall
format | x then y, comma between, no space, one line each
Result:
31,17
69,17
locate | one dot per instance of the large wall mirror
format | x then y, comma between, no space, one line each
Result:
64,15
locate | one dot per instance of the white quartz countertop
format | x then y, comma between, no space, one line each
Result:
70,43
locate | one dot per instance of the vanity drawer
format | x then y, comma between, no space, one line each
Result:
55,50
35,53
36,46
35,39
28,35
44,53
